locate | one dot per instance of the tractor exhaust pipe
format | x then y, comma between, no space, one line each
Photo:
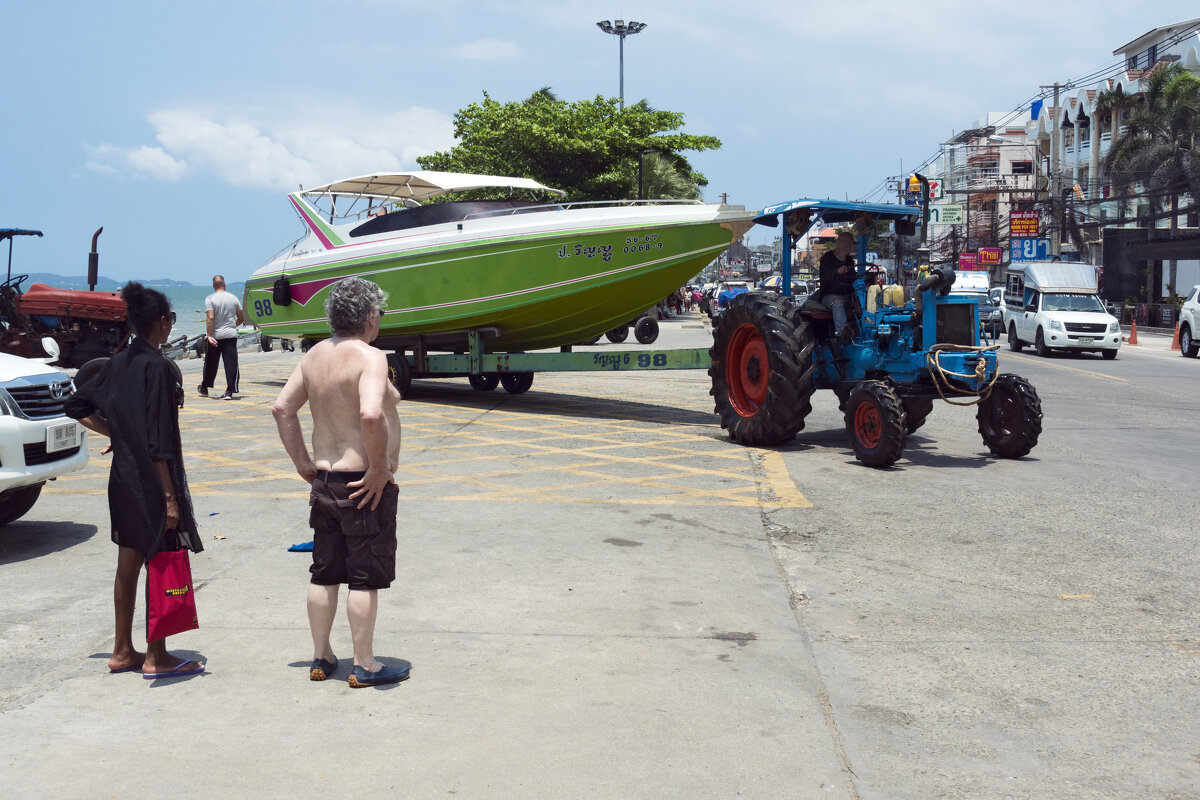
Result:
940,279
94,262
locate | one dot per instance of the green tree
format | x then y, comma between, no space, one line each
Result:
589,149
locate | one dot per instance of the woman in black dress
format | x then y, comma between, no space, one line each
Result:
133,401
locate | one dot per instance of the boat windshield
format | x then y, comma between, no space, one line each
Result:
438,213
1062,301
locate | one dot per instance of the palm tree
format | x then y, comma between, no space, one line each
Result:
667,176
1158,146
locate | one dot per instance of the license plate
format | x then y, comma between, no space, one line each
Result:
1086,340
62,437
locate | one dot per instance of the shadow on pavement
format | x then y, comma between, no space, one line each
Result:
566,405
22,541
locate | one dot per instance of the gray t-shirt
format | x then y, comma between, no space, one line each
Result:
224,307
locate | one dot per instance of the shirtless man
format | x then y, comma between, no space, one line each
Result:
356,448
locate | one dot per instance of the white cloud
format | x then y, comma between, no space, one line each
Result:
275,150
144,161
488,50
156,163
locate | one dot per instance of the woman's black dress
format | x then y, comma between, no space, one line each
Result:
137,393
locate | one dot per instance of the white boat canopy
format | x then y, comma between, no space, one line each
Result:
421,185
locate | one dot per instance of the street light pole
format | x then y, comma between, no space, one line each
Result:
621,29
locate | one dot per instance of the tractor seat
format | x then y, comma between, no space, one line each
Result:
814,308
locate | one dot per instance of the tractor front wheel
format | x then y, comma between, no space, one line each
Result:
916,410
1010,418
875,423
762,371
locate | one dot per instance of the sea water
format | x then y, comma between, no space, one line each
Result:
186,301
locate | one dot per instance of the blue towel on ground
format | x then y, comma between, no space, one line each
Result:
305,547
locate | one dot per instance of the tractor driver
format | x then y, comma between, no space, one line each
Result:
837,278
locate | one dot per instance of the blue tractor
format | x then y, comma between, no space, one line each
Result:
887,367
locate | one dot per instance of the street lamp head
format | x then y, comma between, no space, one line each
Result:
620,27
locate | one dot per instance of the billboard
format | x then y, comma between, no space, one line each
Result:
968,261
990,256
1023,224
1029,250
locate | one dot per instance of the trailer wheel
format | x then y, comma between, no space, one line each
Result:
399,373
592,340
646,330
1014,343
916,409
264,343
484,383
307,344
1010,418
516,382
618,335
875,424
762,371
88,372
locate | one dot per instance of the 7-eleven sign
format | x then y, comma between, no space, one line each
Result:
935,190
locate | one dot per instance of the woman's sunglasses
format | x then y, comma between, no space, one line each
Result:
170,316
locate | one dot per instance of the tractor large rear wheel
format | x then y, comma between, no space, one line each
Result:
1010,419
875,423
762,371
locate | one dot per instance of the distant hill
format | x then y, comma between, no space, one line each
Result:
108,284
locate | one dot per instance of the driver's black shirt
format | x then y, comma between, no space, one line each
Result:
831,281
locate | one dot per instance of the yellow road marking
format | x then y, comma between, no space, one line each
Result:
1086,372
473,454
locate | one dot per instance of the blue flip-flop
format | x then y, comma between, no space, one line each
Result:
178,672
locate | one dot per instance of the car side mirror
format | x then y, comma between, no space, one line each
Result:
50,345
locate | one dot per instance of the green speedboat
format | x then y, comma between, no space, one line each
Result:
524,273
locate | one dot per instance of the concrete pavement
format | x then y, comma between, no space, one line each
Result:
591,607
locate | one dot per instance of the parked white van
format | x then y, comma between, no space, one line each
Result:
1056,305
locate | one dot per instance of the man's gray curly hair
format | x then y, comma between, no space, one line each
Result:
350,303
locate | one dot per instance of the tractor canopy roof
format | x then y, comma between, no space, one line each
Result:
800,215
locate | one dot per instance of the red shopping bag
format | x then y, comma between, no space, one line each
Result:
170,601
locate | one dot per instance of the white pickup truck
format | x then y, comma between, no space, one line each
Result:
1055,305
38,442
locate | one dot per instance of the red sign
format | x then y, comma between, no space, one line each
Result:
968,261
990,256
1023,225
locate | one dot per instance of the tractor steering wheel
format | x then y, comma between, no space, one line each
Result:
15,281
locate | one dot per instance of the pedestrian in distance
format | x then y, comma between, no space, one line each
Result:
222,316
134,400
355,451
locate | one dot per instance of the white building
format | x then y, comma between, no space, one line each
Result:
1055,151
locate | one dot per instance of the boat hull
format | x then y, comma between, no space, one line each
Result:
533,289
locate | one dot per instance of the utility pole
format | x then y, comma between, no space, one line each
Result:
1055,230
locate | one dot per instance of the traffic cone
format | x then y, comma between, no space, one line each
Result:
1133,333
1175,339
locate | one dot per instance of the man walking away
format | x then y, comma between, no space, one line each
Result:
356,449
223,313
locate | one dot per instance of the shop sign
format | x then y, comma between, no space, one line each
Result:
1023,224
990,256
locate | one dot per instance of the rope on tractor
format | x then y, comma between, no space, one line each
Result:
941,376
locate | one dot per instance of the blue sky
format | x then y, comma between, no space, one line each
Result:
179,128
